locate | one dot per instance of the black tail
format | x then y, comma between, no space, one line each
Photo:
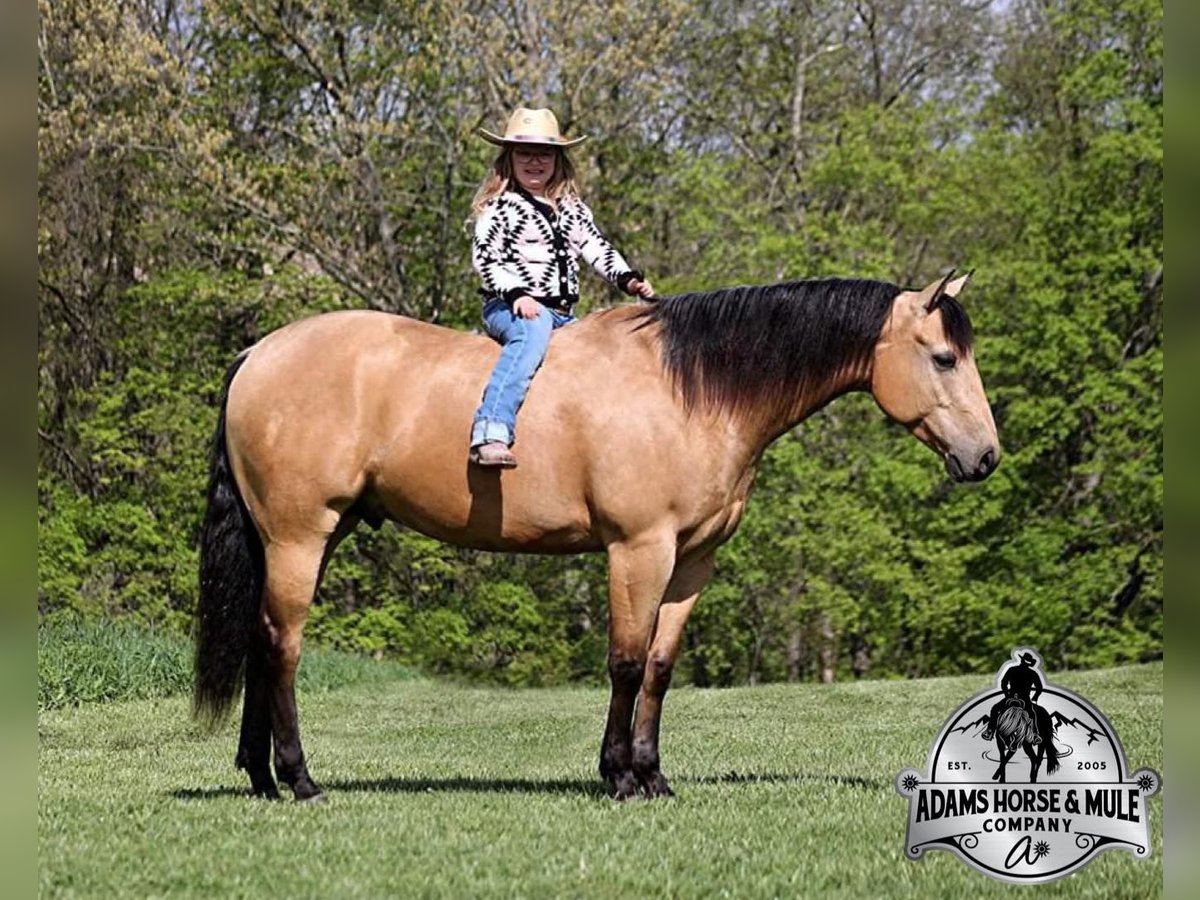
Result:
231,582
1046,728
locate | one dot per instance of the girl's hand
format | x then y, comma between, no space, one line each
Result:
641,288
527,308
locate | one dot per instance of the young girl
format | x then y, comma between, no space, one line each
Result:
530,227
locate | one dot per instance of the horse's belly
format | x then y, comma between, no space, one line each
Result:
566,540
526,509
483,531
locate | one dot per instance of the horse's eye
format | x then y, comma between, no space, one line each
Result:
945,361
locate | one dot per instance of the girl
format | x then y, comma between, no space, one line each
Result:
530,226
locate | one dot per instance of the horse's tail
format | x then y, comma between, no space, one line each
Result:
1046,727
231,581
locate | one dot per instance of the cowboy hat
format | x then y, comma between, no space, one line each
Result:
1029,658
531,126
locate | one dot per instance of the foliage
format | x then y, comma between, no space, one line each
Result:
209,171
85,661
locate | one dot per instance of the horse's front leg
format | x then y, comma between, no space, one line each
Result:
1005,756
638,574
680,598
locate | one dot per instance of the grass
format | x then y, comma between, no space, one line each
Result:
447,791
85,661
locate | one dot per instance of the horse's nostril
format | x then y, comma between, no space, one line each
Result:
988,462
954,467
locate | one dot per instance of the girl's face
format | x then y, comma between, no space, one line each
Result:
534,167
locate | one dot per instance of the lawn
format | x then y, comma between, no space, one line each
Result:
438,790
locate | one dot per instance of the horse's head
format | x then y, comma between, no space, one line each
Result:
924,377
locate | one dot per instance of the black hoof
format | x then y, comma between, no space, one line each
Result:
305,790
264,793
624,786
654,784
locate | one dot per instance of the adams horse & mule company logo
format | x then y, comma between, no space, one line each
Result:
1035,816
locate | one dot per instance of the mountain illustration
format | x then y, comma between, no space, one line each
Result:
1056,717
1060,720
981,722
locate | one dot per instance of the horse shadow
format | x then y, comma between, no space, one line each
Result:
579,787
486,513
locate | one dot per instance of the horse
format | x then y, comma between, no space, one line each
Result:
1016,728
640,438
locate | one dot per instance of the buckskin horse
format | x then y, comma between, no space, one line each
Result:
641,437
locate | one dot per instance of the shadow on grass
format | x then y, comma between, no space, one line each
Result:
584,787
578,787
853,781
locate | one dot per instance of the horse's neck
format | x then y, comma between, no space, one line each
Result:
781,417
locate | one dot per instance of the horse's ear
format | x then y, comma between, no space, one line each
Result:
954,288
934,293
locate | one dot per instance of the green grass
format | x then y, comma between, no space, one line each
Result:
85,661
446,791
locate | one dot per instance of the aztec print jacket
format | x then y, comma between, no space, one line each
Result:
522,247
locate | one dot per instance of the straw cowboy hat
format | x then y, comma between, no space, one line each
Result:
531,126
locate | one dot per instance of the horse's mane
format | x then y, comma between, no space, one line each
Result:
730,348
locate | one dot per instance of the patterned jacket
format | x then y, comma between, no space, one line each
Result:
523,247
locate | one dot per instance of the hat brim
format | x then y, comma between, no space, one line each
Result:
501,141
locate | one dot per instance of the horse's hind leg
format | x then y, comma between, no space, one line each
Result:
254,746
680,598
638,574
1035,760
291,581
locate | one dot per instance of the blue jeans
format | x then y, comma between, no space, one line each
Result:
525,342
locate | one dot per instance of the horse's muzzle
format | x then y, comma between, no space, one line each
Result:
984,466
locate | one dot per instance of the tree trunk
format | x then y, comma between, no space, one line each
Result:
795,652
828,652
860,662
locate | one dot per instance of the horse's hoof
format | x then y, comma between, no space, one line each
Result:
624,787
263,793
655,785
317,799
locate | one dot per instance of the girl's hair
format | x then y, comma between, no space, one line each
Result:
500,176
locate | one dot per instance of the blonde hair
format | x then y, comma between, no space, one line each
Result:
500,177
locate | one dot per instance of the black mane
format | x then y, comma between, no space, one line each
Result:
730,348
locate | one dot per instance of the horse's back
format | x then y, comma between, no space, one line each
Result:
366,407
